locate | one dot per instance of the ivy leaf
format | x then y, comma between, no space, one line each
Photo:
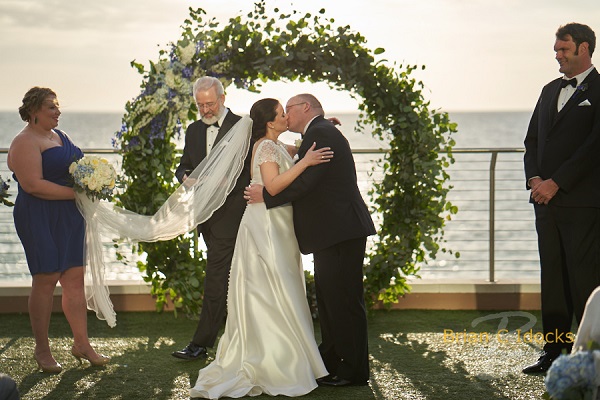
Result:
138,66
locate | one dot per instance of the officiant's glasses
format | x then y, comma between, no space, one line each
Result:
209,106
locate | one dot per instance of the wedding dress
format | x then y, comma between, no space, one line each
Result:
268,345
589,329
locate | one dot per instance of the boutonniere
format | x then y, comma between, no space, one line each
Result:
582,88
298,143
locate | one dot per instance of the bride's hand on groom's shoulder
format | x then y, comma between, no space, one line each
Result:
316,157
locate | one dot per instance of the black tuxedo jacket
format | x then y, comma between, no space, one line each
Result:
225,221
328,207
565,145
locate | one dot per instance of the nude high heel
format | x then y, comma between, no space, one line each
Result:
55,368
96,362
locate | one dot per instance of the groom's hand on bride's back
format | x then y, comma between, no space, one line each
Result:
254,193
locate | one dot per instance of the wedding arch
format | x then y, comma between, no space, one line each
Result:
410,199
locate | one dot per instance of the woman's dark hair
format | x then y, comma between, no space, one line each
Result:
33,100
263,111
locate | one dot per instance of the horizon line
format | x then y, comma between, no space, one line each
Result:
346,111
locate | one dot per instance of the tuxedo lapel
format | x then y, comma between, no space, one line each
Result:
577,96
553,109
228,123
201,141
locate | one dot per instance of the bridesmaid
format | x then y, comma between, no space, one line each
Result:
49,225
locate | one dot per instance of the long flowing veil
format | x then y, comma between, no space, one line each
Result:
192,203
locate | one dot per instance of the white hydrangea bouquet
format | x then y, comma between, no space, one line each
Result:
574,376
4,193
94,176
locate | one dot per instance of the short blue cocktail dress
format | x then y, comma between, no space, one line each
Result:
52,231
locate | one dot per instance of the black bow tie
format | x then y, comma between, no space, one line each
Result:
566,82
216,124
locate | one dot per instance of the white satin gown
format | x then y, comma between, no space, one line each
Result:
268,345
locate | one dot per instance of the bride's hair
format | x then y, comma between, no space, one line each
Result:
263,111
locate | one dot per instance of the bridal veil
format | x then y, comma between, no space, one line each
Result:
192,203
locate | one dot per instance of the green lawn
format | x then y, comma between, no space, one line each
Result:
411,358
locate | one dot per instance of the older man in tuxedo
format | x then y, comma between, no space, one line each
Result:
331,221
220,230
562,170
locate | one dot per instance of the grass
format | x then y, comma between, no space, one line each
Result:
411,358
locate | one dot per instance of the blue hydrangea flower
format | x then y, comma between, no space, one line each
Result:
572,376
187,72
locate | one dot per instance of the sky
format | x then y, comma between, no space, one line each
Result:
480,55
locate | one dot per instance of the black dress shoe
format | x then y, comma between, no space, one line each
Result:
331,380
542,365
191,352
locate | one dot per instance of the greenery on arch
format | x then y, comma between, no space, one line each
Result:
269,46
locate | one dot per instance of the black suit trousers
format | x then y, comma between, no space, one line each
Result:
341,306
569,247
214,305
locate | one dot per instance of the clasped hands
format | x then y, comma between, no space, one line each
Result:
542,191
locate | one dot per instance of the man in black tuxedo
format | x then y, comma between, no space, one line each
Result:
220,230
331,221
562,169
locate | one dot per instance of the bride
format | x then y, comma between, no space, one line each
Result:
268,345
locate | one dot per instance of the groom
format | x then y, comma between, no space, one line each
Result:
220,230
331,221
562,169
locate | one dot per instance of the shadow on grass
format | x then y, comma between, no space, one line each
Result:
411,350
429,374
408,360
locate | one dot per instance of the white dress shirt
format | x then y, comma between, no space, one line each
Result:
566,92
213,131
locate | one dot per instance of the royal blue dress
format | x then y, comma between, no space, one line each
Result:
52,232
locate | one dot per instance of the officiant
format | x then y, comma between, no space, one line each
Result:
220,230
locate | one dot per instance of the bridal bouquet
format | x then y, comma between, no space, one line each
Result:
4,192
94,176
574,376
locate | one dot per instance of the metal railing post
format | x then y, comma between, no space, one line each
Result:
492,233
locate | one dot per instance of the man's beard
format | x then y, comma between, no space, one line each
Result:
215,117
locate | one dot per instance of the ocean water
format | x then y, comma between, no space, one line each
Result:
476,129
467,233
97,130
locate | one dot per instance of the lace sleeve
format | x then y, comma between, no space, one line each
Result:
268,151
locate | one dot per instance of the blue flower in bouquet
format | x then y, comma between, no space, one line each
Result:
4,192
572,377
94,176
